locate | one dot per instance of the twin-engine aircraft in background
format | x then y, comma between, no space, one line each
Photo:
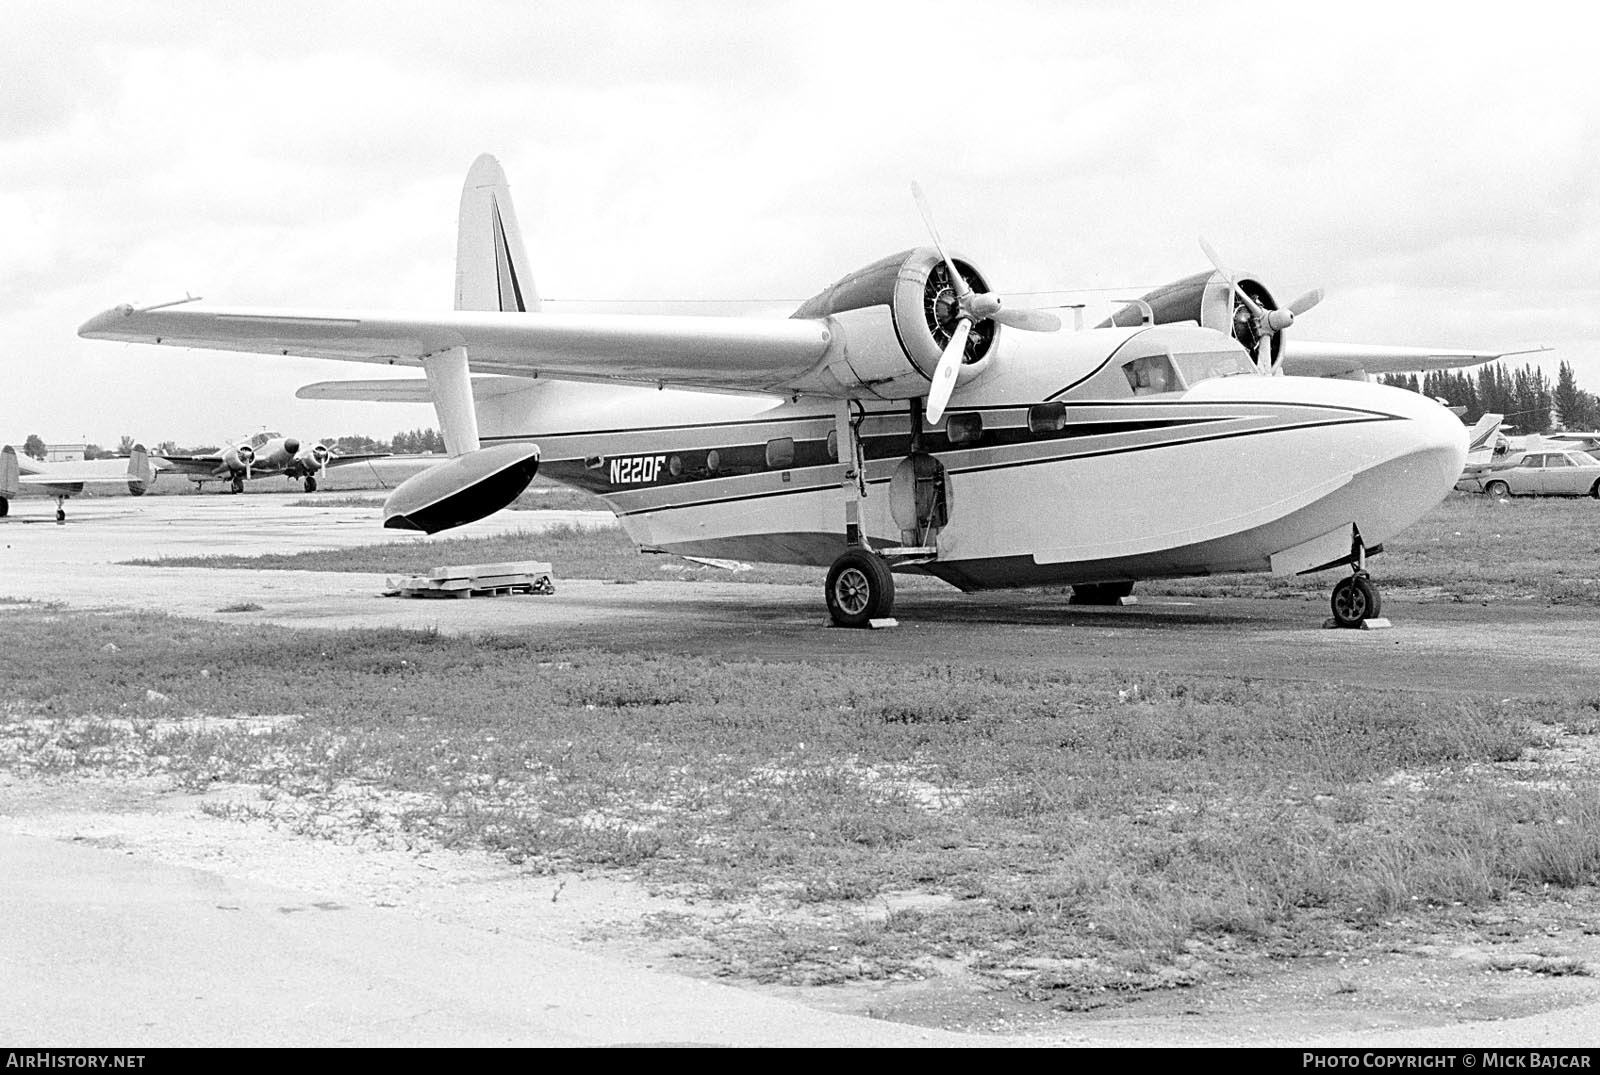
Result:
260,456
904,419
22,476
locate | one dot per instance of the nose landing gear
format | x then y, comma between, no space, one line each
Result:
1356,601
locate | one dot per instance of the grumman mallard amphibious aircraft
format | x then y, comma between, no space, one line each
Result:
904,419
260,456
20,476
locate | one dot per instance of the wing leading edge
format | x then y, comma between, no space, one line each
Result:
717,353
1303,358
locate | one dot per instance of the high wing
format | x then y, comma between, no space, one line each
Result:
1303,358
707,353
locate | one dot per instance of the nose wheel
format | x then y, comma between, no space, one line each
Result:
1355,600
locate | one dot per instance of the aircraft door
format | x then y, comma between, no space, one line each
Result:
919,499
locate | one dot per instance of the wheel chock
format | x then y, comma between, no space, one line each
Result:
879,625
1377,623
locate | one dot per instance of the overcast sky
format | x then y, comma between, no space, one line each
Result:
1433,166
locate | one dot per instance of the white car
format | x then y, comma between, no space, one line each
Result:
1540,473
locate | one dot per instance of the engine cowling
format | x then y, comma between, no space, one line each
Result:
463,490
1206,297
890,323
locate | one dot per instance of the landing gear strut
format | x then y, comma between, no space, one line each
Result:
1356,599
860,587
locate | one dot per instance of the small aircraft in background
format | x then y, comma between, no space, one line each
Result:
904,419
260,456
22,476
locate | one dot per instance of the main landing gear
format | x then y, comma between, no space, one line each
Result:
61,509
311,483
238,484
1356,600
860,588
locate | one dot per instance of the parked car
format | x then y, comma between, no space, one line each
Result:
1541,473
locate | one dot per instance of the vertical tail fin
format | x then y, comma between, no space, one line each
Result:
140,473
10,473
492,271
1479,436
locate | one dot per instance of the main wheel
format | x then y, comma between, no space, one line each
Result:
860,588
61,515
238,485
1497,489
311,483
1355,599
5,507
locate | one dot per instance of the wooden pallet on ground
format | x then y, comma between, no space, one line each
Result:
476,580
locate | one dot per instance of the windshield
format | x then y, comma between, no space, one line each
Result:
1205,365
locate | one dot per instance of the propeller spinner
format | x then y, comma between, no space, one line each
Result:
973,307
1266,323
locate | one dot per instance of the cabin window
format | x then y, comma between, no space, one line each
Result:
964,428
1047,417
1151,374
833,445
780,453
713,461
675,466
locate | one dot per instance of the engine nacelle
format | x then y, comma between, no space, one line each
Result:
463,490
1205,297
890,322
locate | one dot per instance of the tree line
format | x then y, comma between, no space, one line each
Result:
1530,403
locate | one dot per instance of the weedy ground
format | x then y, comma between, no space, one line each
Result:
1069,838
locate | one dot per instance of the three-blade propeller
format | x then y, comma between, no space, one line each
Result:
1267,322
974,307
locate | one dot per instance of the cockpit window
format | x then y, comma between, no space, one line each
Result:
1152,374
1198,366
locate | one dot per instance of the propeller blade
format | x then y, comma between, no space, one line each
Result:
1216,263
956,279
944,377
1030,320
1305,302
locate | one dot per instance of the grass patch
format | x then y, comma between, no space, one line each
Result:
1067,835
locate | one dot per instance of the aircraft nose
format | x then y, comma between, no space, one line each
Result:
291,446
